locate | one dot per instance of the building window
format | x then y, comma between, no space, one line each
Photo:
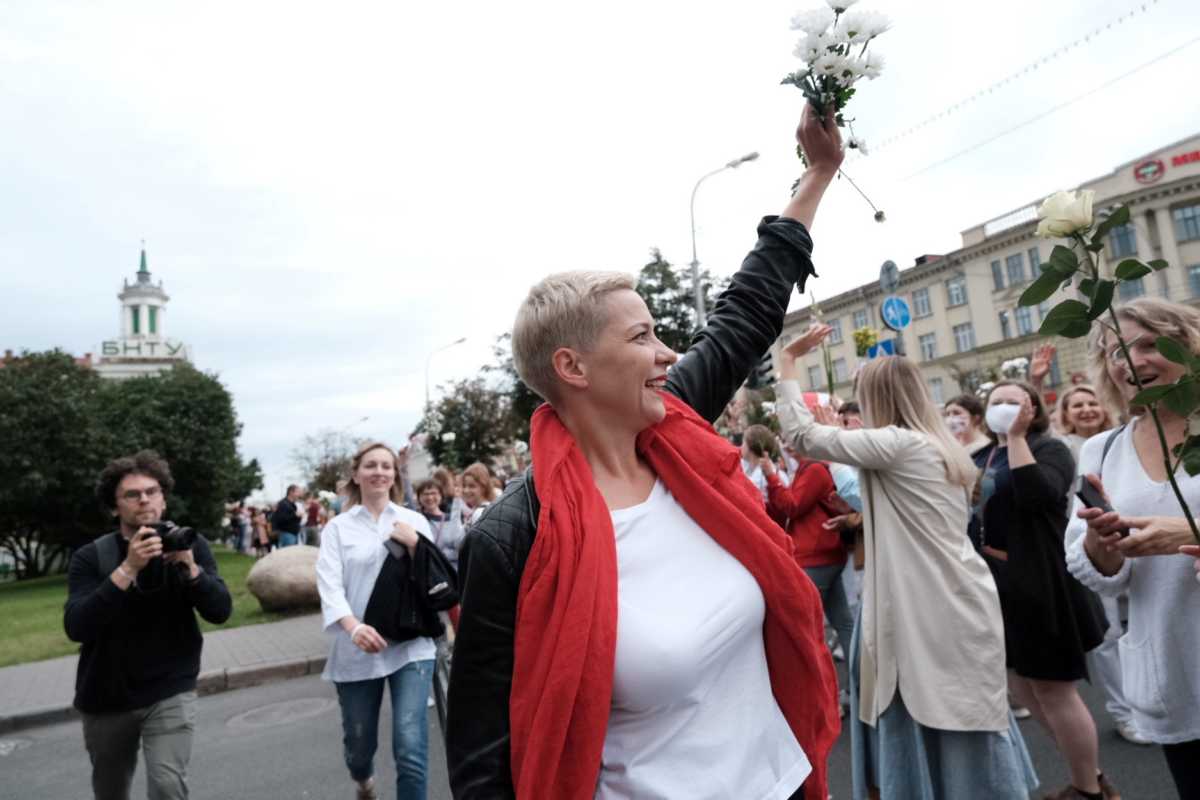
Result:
1187,223
860,319
928,344
153,319
1024,321
839,370
1194,278
137,318
1005,328
1122,241
921,303
956,292
816,378
1015,265
1131,289
997,276
1035,263
835,336
964,337
936,391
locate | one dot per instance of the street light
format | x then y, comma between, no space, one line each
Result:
429,359
698,292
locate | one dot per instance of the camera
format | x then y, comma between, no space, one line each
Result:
174,538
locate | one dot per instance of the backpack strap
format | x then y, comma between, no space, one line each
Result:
532,503
1108,443
108,553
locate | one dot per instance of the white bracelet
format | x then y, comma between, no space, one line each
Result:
356,629
128,577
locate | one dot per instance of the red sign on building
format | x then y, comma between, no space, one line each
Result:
1149,171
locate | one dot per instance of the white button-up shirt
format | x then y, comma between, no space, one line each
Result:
352,554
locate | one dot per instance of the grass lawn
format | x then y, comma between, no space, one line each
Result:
31,627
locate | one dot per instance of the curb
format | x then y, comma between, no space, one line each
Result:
211,682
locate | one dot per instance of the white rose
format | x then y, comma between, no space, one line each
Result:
1065,213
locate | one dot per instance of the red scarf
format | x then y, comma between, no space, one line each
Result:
566,625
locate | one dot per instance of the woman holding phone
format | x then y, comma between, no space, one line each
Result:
1136,547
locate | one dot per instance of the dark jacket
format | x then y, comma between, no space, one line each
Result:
286,519
139,647
747,319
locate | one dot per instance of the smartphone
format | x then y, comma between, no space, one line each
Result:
1090,496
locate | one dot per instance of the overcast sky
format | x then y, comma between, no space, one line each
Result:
330,192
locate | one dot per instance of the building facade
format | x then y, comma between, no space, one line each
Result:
142,348
965,317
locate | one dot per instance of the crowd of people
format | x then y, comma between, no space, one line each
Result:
643,612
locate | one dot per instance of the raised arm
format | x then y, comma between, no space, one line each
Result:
748,316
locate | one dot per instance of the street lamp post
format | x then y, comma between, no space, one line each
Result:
429,360
697,291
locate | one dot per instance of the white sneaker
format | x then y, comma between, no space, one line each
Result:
1129,733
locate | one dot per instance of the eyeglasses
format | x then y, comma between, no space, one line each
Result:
134,495
1115,353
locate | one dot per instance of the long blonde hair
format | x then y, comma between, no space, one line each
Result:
891,391
1064,400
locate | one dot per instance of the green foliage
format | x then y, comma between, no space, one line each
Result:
667,292
1069,318
522,401
60,424
1115,220
1102,295
1131,269
478,417
324,458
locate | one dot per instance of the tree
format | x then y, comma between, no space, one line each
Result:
247,479
188,418
522,401
668,294
471,422
53,449
324,458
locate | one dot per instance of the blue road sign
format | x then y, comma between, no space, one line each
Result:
887,347
895,313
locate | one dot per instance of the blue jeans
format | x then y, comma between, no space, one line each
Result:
828,580
360,701
288,539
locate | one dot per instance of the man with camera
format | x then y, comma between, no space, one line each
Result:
131,603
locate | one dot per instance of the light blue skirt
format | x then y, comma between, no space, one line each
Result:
909,761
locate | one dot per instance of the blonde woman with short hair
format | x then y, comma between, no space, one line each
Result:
1081,416
929,706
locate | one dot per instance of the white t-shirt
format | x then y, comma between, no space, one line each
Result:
692,710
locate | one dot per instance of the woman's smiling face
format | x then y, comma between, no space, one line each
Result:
1149,365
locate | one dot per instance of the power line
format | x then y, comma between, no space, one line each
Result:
1053,109
1027,69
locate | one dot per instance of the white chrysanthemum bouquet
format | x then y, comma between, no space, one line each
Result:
834,51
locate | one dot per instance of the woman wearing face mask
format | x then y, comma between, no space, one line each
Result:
964,418
929,708
1050,620
1081,416
1135,548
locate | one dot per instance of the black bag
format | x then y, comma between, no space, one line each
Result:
410,591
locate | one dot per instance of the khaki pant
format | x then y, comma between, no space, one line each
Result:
164,731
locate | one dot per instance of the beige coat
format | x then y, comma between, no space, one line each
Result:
931,624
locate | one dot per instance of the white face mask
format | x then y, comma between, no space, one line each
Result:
956,424
1001,417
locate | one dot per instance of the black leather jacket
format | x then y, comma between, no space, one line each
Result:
747,319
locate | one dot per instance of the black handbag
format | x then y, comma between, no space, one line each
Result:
410,591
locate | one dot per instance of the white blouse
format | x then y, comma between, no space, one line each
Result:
693,714
1160,652
352,554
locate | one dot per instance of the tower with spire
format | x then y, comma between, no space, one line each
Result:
143,347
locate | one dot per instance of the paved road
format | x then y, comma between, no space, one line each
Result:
284,740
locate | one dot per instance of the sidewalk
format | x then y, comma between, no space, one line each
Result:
41,692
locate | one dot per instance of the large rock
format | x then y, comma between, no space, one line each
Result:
286,579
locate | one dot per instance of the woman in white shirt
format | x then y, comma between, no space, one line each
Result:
927,679
361,660
1160,653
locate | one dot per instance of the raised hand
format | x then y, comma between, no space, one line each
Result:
807,341
821,141
1039,365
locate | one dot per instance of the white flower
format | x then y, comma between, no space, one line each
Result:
858,144
1065,213
862,26
840,5
873,65
813,21
812,45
